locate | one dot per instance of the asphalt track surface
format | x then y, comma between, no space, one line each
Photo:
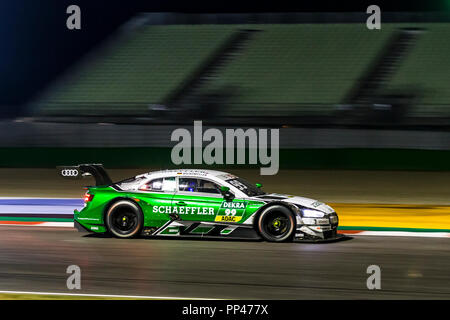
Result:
36,258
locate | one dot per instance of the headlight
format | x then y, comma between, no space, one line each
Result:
312,213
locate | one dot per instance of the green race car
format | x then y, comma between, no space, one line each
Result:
197,203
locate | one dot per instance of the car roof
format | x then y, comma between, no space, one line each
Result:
200,173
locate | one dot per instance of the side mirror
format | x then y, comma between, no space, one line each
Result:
225,191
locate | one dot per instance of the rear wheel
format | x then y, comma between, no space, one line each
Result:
124,219
276,224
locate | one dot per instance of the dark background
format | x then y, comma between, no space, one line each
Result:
36,46
369,167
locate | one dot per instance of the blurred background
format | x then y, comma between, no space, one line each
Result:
364,119
343,96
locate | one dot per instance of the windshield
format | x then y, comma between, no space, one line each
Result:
248,188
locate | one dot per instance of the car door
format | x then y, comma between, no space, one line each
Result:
197,199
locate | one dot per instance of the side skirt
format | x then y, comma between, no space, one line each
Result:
198,229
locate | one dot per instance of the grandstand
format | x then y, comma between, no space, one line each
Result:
299,69
287,70
427,69
138,69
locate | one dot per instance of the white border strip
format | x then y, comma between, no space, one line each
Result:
101,295
399,234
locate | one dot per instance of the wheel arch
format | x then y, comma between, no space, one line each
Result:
287,205
117,199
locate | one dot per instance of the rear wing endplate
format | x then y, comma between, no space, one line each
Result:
85,170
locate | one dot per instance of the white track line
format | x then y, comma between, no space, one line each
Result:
101,295
361,233
58,224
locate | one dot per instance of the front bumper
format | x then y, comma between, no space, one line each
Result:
317,229
330,238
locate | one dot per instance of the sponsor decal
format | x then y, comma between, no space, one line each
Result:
184,210
316,204
193,172
231,211
227,219
234,205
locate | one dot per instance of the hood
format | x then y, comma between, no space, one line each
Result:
304,202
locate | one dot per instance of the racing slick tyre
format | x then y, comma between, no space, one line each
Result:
276,224
124,219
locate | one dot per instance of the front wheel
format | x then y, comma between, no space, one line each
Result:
276,224
124,219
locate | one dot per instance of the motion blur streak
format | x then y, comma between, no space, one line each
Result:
394,215
35,259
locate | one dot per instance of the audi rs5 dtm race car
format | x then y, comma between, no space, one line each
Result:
197,203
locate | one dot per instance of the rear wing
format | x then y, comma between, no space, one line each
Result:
85,170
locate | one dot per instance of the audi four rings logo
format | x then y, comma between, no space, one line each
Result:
69,173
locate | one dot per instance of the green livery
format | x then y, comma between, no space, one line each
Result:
195,203
158,208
